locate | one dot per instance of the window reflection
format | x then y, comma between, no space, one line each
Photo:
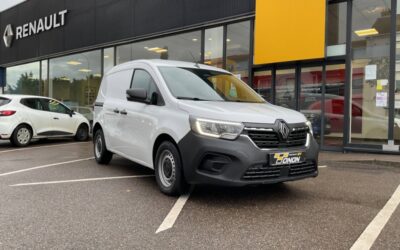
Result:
262,83
336,25
108,59
23,79
237,49
183,47
75,80
213,46
285,88
310,96
397,86
370,71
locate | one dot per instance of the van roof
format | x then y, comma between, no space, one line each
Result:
161,62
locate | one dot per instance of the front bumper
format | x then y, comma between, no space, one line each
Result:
237,163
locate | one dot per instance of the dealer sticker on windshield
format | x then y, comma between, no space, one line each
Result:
286,158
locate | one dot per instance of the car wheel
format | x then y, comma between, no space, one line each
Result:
168,170
21,136
101,154
82,134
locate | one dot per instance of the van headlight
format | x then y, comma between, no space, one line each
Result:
309,125
216,129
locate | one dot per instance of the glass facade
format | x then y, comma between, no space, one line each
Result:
182,47
334,104
23,79
370,71
75,80
108,59
285,88
262,83
238,49
213,47
310,97
397,80
336,26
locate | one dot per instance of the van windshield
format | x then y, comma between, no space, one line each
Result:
207,85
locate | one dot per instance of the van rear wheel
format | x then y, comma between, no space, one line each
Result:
168,170
101,154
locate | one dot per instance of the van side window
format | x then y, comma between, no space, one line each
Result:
143,80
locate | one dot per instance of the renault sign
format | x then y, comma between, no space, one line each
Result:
35,27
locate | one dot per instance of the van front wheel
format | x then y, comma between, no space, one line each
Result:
168,170
101,154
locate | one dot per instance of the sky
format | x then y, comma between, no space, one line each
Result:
5,4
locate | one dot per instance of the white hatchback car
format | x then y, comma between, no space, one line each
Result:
24,117
197,124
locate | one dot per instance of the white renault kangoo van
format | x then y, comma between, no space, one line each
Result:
196,124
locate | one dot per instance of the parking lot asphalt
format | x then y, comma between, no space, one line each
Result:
54,195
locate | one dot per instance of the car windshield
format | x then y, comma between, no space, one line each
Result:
4,101
207,85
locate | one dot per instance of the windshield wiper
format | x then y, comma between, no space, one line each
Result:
190,98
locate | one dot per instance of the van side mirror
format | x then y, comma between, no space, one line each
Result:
137,94
71,112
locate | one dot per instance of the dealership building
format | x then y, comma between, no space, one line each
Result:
333,60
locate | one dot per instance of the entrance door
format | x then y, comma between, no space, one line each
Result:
322,101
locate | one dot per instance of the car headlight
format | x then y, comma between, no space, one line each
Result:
309,125
216,129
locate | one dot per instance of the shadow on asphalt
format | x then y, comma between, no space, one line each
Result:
6,145
279,191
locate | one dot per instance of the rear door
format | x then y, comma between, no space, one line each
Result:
118,83
38,116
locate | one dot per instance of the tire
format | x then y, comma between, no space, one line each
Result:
21,136
101,154
169,171
82,134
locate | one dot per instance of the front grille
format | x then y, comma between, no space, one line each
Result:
266,172
269,138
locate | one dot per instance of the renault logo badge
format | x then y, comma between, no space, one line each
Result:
283,129
8,36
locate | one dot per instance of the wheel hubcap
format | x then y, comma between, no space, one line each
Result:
167,168
23,135
99,146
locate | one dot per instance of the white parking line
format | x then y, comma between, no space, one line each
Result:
169,221
323,166
45,166
80,180
49,146
371,233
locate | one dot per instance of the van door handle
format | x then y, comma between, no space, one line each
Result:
56,118
123,112
116,111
